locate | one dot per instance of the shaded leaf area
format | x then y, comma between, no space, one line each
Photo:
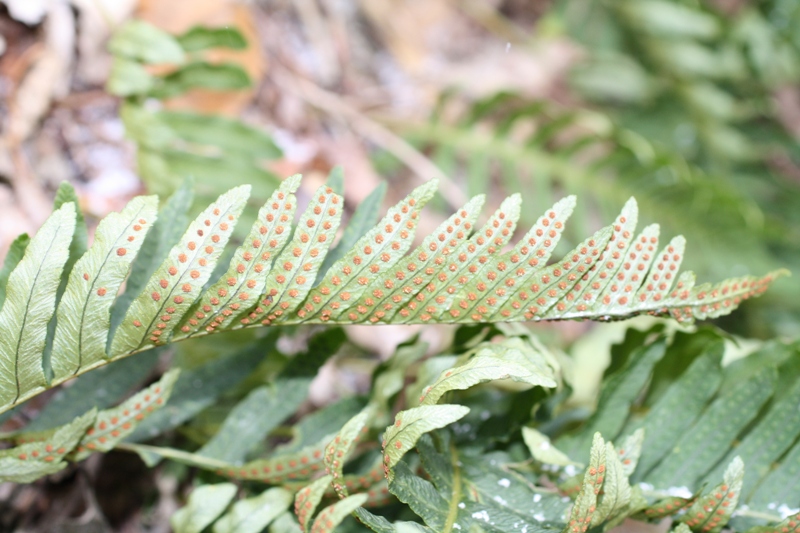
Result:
210,506
43,452
457,275
453,474
704,425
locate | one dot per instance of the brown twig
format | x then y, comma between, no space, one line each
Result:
333,104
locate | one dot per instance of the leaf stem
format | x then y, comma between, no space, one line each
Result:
455,495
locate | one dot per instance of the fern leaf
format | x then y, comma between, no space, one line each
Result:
84,310
791,524
616,497
410,425
616,398
417,269
33,460
277,469
238,289
549,288
763,446
422,497
332,516
166,231
669,506
711,436
630,451
488,364
178,281
688,395
205,504
289,282
307,500
583,512
491,288
363,219
252,515
262,410
457,275
14,255
542,450
113,425
711,512
340,448
434,300
29,305
378,250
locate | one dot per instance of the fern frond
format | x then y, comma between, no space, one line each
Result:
457,275
29,305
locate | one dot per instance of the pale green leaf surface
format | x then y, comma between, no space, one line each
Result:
410,425
205,504
29,305
542,450
179,280
338,451
582,514
481,248
547,286
285,523
128,78
289,282
230,137
168,228
615,499
84,311
485,366
332,516
630,451
376,251
141,41
491,289
239,288
252,515
80,238
363,219
589,293
13,256
308,498
415,270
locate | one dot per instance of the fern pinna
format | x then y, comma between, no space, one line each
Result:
61,315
